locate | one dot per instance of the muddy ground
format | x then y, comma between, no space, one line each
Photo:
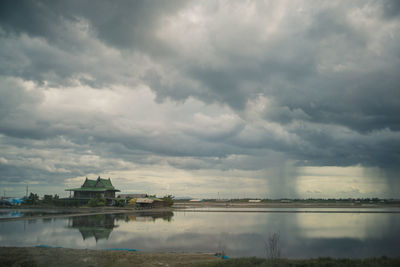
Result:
31,256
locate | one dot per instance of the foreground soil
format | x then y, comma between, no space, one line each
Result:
328,262
31,256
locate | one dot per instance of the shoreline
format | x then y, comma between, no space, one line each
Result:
56,212
283,205
79,212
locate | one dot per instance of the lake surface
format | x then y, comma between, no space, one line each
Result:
297,210
302,234
6,213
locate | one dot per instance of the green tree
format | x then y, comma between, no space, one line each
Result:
47,199
33,199
119,202
168,200
96,202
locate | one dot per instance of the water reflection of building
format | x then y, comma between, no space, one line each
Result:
100,226
97,226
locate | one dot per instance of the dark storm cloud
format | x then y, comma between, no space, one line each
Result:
33,17
120,23
391,8
313,84
14,98
25,175
61,53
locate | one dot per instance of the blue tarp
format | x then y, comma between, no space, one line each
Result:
44,246
124,249
222,257
15,201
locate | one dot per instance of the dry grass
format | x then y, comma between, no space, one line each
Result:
16,256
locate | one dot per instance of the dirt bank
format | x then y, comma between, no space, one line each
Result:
29,256
277,205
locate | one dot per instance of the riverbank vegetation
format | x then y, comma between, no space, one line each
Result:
55,201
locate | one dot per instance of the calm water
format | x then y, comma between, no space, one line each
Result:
6,213
294,210
302,235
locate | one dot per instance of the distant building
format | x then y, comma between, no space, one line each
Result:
254,200
127,196
5,202
99,188
147,202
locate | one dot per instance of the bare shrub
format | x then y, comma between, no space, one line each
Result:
273,247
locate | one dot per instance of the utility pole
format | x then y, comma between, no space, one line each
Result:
26,195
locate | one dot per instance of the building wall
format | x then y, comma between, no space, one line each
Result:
92,194
110,194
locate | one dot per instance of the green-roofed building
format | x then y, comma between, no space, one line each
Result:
99,188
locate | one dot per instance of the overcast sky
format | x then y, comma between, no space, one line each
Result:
201,98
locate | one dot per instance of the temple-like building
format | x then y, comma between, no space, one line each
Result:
99,188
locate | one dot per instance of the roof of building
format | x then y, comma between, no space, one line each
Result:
98,185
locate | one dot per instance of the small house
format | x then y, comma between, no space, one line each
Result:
99,188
